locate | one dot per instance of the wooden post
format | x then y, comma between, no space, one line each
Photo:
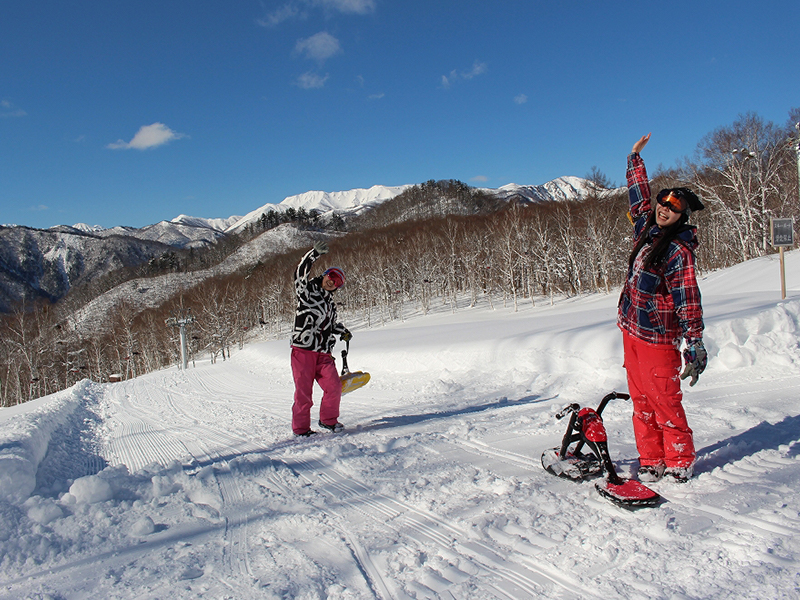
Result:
783,276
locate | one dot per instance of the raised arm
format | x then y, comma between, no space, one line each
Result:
638,184
641,143
301,273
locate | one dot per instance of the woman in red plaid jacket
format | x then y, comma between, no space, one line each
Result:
659,307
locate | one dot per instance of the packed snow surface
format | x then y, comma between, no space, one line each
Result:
190,485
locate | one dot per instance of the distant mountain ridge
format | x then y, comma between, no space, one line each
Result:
559,189
345,203
47,263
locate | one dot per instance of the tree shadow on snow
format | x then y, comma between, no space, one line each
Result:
764,436
402,420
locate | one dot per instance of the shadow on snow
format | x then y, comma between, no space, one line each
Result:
403,420
764,436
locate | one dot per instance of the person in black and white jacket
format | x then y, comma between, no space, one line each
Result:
313,338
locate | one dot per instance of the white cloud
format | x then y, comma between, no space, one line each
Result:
310,81
478,68
320,46
376,96
520,99
148,136
359,7
480,179
299,9
8,110
446,79
284,13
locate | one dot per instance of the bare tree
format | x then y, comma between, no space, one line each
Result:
739,172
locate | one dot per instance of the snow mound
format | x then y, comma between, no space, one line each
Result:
90,490
768,337
24,440
142,527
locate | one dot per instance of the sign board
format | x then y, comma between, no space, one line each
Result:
782,232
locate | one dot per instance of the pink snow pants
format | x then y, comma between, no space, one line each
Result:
659,421
308,367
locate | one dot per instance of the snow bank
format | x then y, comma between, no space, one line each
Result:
104,512
767,338
24,440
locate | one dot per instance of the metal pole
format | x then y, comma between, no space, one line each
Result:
185,355
181,323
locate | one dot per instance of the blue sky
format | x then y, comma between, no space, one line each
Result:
128,113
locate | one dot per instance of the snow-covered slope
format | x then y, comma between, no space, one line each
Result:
214,224
37,264
142,293
189,485
180,234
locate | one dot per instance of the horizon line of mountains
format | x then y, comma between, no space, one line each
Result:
48,263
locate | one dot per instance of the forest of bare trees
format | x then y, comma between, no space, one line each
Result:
419,257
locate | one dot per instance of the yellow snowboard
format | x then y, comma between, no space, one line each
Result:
353,381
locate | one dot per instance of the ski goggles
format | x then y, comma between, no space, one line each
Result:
336,276
672,202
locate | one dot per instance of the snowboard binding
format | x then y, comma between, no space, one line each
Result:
586,429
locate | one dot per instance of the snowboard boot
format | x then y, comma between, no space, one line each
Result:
335,428
308,433
651,473
679,474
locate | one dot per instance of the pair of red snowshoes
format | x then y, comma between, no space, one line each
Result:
586,428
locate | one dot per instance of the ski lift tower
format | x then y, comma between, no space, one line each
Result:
181,321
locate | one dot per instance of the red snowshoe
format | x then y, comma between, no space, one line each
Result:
586,428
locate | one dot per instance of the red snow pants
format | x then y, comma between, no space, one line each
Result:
308,367
659,421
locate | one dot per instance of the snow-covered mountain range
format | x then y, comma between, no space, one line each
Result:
37,263
560,189
186,231
348,203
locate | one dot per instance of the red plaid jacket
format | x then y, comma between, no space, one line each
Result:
659,305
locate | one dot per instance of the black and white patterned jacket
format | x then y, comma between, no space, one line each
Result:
315,325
